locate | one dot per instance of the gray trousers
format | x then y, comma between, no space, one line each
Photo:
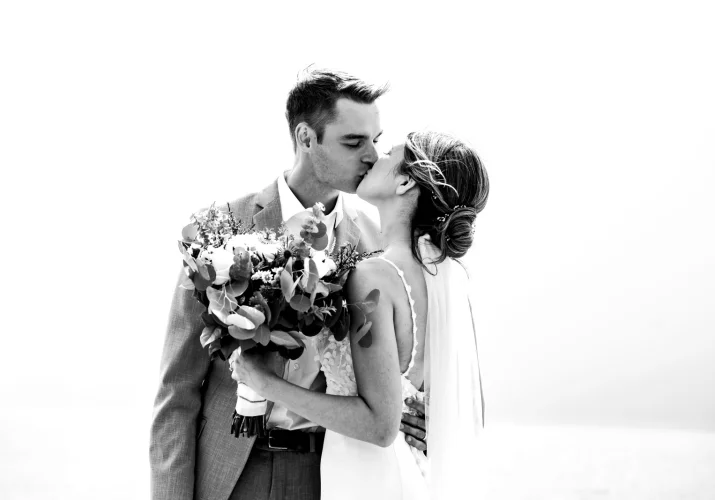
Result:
279,475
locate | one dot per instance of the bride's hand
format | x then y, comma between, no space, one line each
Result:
250,368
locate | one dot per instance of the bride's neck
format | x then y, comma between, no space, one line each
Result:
395,227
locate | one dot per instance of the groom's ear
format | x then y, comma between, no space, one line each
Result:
304,136
405,183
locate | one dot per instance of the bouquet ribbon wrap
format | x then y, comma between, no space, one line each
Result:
251,407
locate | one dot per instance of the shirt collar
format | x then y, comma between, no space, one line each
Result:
290,205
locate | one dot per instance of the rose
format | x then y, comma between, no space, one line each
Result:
268,250
324,263
242,240
253,242
221,259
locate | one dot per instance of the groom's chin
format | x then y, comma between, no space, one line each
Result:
352,187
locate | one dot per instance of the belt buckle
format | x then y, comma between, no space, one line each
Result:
271,447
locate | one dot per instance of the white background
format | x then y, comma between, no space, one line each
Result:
594,257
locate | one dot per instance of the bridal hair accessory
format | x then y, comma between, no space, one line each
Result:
450,213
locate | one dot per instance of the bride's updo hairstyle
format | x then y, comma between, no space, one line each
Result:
453,189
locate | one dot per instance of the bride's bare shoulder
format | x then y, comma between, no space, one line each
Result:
369,275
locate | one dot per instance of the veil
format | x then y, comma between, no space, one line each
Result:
455,413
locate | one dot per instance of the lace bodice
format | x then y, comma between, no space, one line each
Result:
336,361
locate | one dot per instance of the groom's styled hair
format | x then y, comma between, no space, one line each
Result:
313,98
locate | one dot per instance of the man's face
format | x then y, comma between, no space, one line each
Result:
348,147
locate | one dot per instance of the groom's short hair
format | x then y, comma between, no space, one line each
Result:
312,99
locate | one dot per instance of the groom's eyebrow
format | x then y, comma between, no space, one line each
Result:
352,137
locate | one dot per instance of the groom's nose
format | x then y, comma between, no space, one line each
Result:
370,157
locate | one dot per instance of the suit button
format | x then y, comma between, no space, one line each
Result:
296,366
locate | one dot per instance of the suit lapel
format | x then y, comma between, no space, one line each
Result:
268,204
269,215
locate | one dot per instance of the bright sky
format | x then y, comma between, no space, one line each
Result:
593,264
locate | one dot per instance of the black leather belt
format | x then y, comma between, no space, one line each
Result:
300,441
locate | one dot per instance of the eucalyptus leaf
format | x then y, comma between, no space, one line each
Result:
342,326
229,344
237,288
209,334
189,232
206,271
208,319
291,354
287,285
266,309
285,322
322,231
313,328
281,338
200,283
360,333
220,303
240,321
247,344
276,307
321,289
320,243
366,340
263,335
300,303
371,301
190,261
313,276
241,333
252,314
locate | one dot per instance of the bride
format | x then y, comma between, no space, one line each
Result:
428,191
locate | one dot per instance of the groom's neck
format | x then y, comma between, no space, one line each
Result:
309,190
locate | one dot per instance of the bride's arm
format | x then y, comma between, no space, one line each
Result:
374,415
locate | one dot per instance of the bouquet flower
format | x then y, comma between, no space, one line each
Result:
268,291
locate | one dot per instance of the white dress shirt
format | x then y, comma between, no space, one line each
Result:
304,370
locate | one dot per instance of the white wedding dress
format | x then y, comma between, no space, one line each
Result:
353,469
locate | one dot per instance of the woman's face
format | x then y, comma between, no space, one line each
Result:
379,183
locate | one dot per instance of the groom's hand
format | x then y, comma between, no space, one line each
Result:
414,426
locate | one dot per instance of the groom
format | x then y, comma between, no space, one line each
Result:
334,124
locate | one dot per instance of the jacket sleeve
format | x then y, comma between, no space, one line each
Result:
184,365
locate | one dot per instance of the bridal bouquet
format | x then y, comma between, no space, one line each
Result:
267,291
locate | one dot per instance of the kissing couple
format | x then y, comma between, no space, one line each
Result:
400,419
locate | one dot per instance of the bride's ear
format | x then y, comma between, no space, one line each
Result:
405,183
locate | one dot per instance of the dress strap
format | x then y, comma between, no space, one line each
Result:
412,309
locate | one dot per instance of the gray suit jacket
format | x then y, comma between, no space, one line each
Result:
192,453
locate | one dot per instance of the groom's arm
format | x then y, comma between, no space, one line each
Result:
184,364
